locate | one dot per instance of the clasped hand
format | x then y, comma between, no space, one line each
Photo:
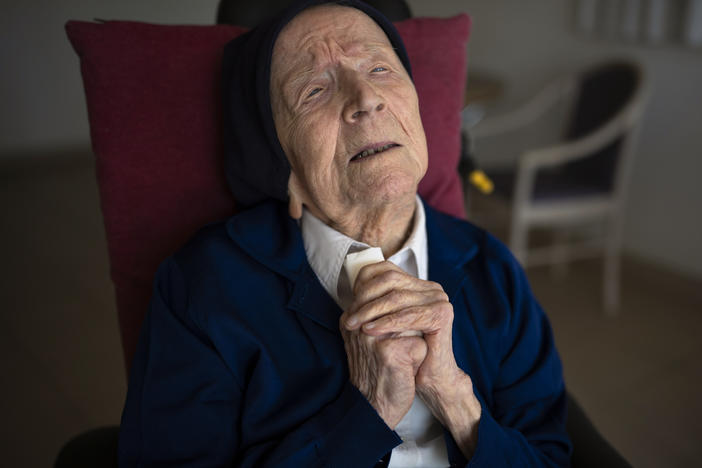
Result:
388,363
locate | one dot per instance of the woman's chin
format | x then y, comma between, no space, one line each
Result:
395,190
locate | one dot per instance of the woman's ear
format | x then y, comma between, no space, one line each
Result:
294,193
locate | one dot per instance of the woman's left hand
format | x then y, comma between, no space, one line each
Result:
399,303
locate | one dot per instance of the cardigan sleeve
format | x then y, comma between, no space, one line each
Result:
184,404
523,420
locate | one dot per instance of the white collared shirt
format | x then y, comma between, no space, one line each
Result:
423,437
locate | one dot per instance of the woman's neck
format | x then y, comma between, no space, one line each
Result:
387,227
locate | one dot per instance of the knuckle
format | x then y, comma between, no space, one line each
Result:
395,296
446,309
436,321
385,351
413,313
361,296
436,296
365,272
362,312
391,321
445,312
369,310
390,275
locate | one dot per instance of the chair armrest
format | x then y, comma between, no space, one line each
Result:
93,448
589,447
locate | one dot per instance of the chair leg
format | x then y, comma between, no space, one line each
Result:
612,269
518,240
611,284
560,254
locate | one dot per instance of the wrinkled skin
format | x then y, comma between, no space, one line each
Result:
337,88
384,371
388,302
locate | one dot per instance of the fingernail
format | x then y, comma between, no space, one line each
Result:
351,322
369,325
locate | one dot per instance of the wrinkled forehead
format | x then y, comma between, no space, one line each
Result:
321,29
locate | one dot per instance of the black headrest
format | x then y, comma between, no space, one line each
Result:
250,14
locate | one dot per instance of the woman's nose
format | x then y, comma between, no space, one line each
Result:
363,99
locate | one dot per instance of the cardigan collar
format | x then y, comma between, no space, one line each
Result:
273,238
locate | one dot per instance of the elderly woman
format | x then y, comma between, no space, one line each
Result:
259,350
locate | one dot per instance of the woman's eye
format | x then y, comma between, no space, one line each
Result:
314,91
378,69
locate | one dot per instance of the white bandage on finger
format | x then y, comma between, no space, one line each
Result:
355,261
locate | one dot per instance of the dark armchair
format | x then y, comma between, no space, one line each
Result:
135,185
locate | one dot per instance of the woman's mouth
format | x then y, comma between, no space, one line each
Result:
373,150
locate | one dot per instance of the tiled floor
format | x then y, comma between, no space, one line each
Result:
637,375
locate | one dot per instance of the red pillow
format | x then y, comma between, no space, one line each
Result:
153,95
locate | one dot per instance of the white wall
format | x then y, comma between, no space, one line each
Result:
41,94
43,107
526,43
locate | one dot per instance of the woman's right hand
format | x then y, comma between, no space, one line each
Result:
383,368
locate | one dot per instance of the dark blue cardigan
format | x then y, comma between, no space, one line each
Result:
241,363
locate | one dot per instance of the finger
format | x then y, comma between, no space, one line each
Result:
370,271
401,352
385,277
393,301
427,319
357,337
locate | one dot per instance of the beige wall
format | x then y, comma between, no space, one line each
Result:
43,107
528,42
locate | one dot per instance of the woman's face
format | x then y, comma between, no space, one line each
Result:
346,113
